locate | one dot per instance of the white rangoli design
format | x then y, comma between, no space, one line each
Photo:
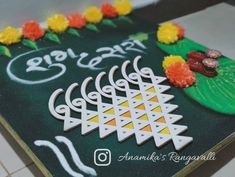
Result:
137,106
62,159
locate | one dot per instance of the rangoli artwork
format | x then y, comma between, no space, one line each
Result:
142,111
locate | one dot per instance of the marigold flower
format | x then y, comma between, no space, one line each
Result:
10,35
168,25
167,33
180,75
181,30
108,10
93,15
171,59
123,7
32,30
76,20
57,23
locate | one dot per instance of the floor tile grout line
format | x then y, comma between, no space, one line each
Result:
1,164
15,170
26,166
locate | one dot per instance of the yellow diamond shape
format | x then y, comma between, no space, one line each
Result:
110,111
144,117
151,89
157,109
165,131
124,104
130,126
138,97
94,119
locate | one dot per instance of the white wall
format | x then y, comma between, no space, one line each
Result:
16,12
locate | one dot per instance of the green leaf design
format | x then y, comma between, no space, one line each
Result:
92,27
126,19
5,51
30,44
139,36
52,37
74,32
109,22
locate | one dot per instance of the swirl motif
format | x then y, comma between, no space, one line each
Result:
106,91
60,112
92,97
130,78
77,104
120,84
144,72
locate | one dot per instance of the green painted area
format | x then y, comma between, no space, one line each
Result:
139,36
216,93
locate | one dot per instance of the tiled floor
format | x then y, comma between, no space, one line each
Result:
13,160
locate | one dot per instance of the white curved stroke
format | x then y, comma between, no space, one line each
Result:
111,80
75,156
68,97
98,87
145,72
28,82
123,70
59,155
135,66
120,84
92,95
51,105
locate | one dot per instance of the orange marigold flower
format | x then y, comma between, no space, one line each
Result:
109,10
180,75
76,21
32,30
181,30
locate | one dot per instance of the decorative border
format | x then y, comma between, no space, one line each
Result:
31,31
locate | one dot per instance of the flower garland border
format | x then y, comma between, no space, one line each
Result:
31,31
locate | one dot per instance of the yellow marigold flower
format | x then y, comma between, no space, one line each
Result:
171,59
167,33
57,23
168,25
123,7
93,15
167,36
10,35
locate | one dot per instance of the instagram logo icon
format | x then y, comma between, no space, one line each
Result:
102,157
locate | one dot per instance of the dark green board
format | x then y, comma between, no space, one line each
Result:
24,107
